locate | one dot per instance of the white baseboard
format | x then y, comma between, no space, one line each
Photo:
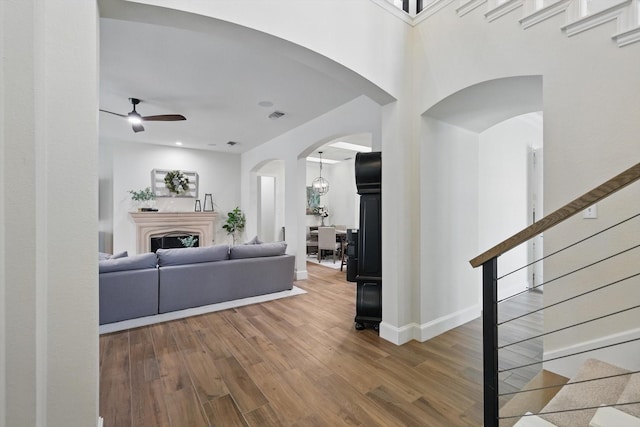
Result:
400,335
624,355
426,331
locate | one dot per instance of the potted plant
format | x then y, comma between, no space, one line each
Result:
235,223
189,241
143,198
322,212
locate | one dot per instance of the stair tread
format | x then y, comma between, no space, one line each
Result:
589,394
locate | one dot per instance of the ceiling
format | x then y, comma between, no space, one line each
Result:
222,82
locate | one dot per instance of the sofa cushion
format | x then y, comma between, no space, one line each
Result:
103,255
135,262
258,250
181,256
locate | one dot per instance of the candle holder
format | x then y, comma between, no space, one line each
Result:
208,203
198,206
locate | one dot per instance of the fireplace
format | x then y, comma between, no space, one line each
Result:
173,240
158,224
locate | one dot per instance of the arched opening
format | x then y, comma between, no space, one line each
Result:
266,210
340,205
473,142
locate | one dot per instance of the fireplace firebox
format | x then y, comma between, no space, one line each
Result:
172,240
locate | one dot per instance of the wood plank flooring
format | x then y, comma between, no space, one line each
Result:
297,361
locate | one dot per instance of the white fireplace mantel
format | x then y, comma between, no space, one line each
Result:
151,224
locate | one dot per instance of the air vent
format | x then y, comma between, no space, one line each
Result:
276,115
231,143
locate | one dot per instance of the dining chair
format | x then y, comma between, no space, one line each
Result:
327,242
343,254
312,242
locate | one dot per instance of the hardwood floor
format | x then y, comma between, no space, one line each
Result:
291,362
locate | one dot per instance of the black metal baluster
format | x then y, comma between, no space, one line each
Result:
490,341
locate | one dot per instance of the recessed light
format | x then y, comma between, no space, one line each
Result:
178,142
352,147
265,104
212,144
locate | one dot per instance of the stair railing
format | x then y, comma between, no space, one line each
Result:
492,343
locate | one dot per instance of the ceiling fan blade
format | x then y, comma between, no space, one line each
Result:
164,118
115,114
137,127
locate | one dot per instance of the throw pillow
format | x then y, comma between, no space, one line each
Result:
122,254
254,241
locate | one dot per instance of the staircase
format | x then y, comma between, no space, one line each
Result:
579,15
579,402
591,310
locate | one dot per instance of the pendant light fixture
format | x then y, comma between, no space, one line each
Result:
320,185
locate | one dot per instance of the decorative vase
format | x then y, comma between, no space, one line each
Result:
322,221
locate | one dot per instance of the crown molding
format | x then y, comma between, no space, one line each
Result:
503,9
545,13
431,9
468,6
398,13
627,37
615,12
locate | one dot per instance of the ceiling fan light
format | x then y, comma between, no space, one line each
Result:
134,119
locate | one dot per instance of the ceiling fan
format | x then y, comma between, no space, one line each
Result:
136,119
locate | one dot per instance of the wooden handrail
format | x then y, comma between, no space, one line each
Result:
594,196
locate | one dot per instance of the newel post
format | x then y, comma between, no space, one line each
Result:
490,341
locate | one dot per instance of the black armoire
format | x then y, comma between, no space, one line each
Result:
368,169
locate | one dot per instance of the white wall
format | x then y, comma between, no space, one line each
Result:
48,214
267,208
504,193
449,212
219,174
342,200
275,169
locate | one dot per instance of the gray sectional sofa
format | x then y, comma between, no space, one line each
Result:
176,279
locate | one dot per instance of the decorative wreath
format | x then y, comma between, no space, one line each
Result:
176,182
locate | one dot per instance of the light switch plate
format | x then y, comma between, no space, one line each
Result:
591,212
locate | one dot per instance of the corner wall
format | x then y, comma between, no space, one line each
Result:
48,196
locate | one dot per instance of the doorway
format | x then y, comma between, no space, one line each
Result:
267,208
510,191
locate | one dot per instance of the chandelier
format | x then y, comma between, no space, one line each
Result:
320,185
